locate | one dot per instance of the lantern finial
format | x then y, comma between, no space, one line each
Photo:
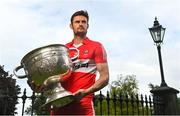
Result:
156,23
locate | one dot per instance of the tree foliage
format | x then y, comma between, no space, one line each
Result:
37,106
124,87
152,86
125,84
8,93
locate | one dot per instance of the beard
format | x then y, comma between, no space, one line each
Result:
81,34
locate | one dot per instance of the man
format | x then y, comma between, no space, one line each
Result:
92,58
82,82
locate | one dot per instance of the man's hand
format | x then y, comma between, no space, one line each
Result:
80,94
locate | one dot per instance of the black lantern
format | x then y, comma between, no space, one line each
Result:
157,33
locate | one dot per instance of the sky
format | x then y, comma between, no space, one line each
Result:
120,25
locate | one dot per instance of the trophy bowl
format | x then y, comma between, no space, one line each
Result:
45,66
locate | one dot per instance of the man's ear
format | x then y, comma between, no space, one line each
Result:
71,26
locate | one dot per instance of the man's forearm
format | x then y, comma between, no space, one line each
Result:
99,84
103,79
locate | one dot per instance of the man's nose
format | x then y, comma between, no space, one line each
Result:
80,23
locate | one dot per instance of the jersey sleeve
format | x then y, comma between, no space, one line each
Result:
100,54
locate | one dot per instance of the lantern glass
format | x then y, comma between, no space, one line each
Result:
157,33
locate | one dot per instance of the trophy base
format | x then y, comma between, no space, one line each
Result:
59,99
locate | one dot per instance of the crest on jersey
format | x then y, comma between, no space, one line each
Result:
86,52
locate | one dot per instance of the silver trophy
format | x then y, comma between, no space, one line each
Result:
46,66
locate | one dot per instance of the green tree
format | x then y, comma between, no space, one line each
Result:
8,93
152,86
37,106
125,84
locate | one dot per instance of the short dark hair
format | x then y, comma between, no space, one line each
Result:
80,13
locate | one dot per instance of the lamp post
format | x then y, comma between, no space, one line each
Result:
167,94
157,33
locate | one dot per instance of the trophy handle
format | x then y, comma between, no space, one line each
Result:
19,76
76,56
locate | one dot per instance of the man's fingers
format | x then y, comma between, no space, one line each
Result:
79,94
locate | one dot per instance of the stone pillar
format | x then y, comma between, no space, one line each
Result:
169,97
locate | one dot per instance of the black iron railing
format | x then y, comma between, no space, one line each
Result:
116,104
127,105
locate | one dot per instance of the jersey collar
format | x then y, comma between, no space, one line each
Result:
85,41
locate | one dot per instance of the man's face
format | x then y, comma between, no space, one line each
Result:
79,25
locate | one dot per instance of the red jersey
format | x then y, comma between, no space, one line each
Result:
84,72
